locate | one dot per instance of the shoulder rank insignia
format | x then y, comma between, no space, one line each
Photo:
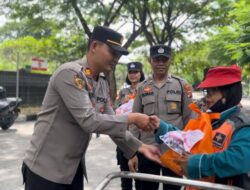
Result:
79,83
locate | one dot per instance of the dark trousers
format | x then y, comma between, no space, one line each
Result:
126,184
35,182
150,167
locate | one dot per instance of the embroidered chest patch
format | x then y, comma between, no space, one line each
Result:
147,91
219,139
173,106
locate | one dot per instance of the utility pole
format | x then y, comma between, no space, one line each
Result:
17,76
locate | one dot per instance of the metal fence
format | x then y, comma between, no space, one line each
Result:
163,179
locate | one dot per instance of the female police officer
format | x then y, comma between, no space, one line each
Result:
134,77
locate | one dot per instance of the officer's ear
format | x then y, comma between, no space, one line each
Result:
93,45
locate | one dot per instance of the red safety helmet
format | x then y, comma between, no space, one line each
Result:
221,76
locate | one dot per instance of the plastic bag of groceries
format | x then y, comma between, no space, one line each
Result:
203,146
125,108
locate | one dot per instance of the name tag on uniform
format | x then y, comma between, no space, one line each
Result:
174,92
101,99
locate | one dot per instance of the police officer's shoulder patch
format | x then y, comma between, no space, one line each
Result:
185,85
79,83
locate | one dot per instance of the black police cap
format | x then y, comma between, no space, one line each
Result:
134,66
160,50
110,37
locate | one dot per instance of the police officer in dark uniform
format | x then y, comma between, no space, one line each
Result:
166,96
134,77
77,104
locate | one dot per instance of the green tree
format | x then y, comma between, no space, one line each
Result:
160,21
53,49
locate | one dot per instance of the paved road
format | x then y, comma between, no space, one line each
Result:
13,142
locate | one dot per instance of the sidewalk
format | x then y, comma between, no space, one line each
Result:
100,158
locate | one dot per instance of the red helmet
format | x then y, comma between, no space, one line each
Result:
221,76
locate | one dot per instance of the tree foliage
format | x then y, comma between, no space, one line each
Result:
204,33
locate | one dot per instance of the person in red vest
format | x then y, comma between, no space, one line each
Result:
231,133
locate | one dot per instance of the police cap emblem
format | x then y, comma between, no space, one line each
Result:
132,66
160,50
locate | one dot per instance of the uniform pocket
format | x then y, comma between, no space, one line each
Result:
148,103
173,104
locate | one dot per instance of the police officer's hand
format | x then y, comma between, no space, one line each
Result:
133,164
142,121
151,152
154,122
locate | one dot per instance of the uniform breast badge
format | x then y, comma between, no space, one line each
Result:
173,106
147,91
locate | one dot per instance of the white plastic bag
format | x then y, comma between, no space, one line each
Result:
125,108
180,141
